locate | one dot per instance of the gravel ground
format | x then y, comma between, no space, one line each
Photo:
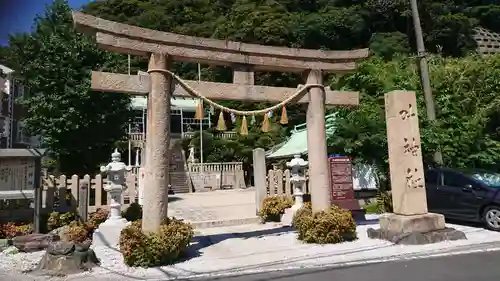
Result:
251,248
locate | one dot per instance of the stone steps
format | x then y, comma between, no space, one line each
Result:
179,182
178,176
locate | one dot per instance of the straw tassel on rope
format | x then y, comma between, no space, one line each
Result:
265,123
244,126
284,116
221,124
199,111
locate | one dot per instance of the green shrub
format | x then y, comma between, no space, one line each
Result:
384,202
330,226
11,230
274,206
95,219
77,232
137,223
57,220
133,212
148,250
372,208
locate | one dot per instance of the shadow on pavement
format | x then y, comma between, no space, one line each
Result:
202,241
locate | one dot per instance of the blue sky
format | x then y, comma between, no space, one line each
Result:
18,15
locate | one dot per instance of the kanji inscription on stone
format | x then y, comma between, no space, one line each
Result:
411,147
412,179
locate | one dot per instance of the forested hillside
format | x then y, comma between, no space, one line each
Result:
80,126
384,25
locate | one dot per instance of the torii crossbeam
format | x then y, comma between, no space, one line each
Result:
162,48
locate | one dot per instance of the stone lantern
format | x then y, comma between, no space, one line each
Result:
297,168
108,233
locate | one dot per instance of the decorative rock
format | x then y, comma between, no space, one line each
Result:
33,242
63,258
61,232
61,248
82,247
417,238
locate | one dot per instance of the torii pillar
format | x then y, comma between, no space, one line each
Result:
319,171
157,144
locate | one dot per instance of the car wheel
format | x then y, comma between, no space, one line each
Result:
491,218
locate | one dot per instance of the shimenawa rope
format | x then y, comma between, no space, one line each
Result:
195,94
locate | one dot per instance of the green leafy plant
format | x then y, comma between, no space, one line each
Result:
133,212
95,219
155,249
57,220
330,226
66,114
384,202
77,232
467,108
274,206
372,208
11,230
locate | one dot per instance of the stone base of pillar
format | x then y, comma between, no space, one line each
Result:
287,218
415,229
108,233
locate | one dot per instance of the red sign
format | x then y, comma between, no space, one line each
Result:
341,178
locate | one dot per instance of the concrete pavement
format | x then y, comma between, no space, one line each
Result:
220,208
247,249
478,266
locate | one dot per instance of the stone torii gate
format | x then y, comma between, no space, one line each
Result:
162,48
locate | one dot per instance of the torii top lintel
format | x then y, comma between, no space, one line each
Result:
135,40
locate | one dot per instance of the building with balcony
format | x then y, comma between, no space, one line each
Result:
11,113
182,124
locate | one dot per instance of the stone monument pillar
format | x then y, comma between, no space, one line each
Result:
298,179
108,233
410,223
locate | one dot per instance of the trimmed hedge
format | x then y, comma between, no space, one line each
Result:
274,206
330,226
162,248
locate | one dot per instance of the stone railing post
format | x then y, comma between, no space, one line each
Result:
259,175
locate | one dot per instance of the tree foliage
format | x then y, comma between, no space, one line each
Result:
468,111
74,120
383,25
327,24
77,125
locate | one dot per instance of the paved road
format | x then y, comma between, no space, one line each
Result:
477,267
